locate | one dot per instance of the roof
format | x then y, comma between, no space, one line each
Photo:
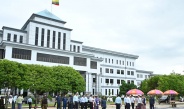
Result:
93,49
144,71
48,14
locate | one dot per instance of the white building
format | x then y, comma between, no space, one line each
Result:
43,39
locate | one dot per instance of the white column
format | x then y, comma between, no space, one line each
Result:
90,82
87,82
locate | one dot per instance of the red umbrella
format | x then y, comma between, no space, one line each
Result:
135,92
170,92
155,92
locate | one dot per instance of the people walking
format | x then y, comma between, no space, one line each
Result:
19,101
64,99
2,104
76,100
139,101
143,102
118,102
125,101
82,101
91,101
29,101
103,103
151,102
97,102
86,102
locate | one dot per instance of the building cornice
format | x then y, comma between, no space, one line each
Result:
13,29
28,46
93,49
114,66
120,77
76,41
143,71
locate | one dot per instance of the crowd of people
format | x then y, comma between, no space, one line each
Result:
135,103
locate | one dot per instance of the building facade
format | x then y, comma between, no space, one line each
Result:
44,40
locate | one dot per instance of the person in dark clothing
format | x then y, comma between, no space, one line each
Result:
152,102
103,103
64,102
44,103
2,106
58,100
70,102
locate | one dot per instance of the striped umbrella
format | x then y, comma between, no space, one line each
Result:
170,92
135,92
155,92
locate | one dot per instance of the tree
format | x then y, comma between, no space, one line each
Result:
125,87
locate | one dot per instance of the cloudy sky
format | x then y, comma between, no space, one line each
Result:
151,29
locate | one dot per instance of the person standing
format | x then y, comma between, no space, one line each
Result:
97,102
2,106
44,103
86,102
139,102
128,102
82,101
143,102
118,102
19,101
70,102
58,101
91,101
29,102
151,102
132,101
125,101
64,99
14,101
76,100
103,103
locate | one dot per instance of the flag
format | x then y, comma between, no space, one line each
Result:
55,2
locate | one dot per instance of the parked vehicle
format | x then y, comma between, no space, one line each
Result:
165,99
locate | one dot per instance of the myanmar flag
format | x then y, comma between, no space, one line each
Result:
55,2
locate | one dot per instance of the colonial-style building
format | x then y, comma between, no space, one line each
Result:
44,40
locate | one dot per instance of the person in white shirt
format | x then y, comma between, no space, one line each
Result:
29,101
82,101
76,100
128,102
132,101
118,102
91,100
139,101
86,102
125,99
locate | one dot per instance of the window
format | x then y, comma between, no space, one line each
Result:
80,61
123,62
145,76
132,81
42,37
127,63
15,38
2,53
128,72
130,63
94,80
53,39
122,72
105,91
9,37
74,48
111,70
106,70
48,38
78,49
122,81
21,54
107,81
120,62
101,80
64,41
111,81
109,60
117,92
116,61
21,39
112,91
59,41
93,65
36,36
132,72
118,81
112,61
52,58
100,70
141,76
137,75
118,71
128,81
70,47
105,60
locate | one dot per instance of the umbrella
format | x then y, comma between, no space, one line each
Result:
155,92
170,92
135,92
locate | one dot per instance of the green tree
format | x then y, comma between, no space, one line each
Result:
125,87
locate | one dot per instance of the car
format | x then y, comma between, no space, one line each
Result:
165,99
